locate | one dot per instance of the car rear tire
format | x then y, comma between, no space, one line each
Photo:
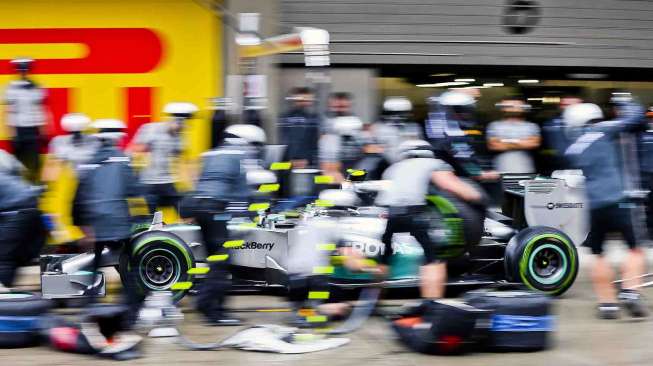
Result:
544,259
161,259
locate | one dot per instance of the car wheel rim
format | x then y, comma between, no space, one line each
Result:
159,269
548,264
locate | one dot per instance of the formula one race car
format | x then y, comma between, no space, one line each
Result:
490,246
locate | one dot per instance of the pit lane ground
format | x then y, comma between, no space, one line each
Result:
581,339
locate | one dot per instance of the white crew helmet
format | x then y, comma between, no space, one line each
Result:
249,133
256,177
180,109
415,149
455,98
397,105
339,198
75,122
578,115
109,128
346,125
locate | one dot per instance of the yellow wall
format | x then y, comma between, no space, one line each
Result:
190,69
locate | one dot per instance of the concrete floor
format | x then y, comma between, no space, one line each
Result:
580,340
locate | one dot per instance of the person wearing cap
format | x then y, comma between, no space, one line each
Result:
410,179
593,149
26,116
513,138
394,127
163,143
299,129
554,139
343,143
221,192
100,206
73,148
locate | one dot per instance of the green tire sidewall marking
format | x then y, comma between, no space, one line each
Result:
524,261
443,205
558,276
182,249
456,239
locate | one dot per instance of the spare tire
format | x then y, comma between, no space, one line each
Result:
21,318
543,258
23,304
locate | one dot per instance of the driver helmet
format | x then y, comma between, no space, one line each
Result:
249,134
75,122
578,115
415,149
109,128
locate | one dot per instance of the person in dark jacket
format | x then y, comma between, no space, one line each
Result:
221,192
100,207
445,127
299,129
554,139
22,233
646,167
593,149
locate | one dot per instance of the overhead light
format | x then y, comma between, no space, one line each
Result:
587,76
528,81
465,80
490,85
442,74
471,87
621,93
440,85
